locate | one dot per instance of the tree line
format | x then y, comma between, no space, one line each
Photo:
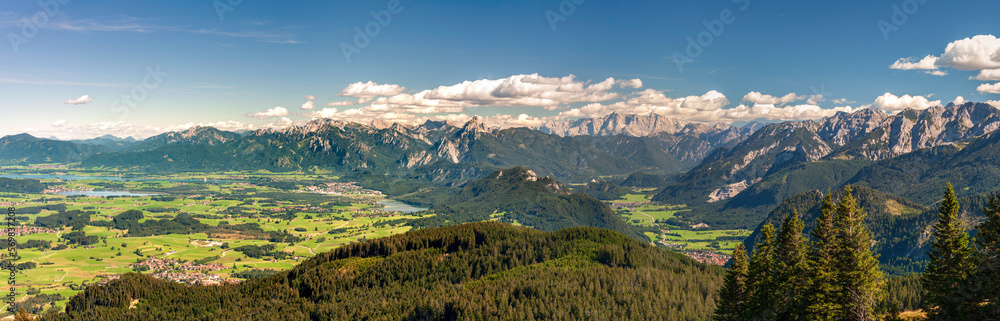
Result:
834,274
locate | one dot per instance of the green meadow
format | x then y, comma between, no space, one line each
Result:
352,218
651,215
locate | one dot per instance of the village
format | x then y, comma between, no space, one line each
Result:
349,188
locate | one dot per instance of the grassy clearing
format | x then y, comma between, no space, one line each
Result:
641,212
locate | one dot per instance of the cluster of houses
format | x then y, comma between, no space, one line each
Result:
164,264
708,257
194,278
341,189
60,188
315,209
627,205
374,213
25,230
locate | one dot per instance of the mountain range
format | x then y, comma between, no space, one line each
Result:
730,177
911,154
437,151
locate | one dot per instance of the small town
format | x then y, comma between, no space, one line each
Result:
349,188
162,264
708,257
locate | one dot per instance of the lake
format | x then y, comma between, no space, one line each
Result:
105,193
393,205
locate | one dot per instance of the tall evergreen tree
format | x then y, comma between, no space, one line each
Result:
760,306
950,263
821,297
857,271
733,296
790,268
988,260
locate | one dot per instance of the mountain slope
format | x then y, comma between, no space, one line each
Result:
24,148
687,143
524,197
109,141
727,172
196,135
972,166
469,271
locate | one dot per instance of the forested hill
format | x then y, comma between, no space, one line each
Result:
900,227
519,195
471,271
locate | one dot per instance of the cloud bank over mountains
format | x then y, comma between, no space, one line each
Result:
560,97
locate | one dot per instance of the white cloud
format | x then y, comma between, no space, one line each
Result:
79,101
227,125
976,53
521,90
633,83
309,97
507,121
342,103
928,62
995,103
709,107
892,103
273,112
281,123
371,89
981,52
989,88
59,123
759,98
988,75
959,100
770,112
709,101
324,113
309,104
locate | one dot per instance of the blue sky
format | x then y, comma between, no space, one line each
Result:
233,66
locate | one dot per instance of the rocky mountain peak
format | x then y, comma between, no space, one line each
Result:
380,124
613,124
474,126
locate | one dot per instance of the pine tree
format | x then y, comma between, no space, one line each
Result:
790,268
733,296
760,306
987,257
950,263
821,298
857,271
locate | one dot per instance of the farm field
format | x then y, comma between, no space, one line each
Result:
308,221
636,209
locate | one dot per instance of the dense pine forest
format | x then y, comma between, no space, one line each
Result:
474,271
835,275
